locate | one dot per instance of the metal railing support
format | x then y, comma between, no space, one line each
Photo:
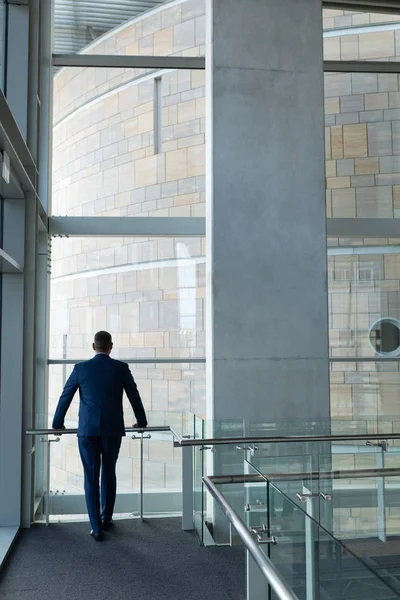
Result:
270,573
187,488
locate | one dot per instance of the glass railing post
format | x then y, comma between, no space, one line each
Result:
141,476
310,547
188,488
380,491
141,437
47,504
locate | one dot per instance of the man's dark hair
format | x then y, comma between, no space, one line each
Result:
102,341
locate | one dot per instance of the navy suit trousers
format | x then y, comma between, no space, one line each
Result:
99,453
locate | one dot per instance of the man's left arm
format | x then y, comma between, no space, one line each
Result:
65,400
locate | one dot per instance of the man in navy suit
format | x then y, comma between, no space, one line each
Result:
101,382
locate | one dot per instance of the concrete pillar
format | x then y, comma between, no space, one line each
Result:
266,233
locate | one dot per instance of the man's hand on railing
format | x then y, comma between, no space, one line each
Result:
57,431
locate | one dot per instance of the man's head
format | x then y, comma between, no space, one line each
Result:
102,342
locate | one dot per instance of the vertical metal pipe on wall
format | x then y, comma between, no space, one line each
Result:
29,356
46,102
33,78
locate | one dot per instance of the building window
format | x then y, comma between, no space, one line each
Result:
384,337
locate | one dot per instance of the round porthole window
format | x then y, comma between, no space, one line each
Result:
384,337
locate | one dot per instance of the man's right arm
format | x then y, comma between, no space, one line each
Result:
65,400
134,398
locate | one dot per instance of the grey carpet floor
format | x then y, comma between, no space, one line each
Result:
142,561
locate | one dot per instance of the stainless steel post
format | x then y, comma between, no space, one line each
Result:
47,503
48,484
141,477
187,488
380,491
141,469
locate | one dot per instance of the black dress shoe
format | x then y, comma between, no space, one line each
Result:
96,536
107,524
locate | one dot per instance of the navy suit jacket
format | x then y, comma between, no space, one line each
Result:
101,382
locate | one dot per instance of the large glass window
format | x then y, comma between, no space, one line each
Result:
150,294
364,309
115,26
362,137
130,148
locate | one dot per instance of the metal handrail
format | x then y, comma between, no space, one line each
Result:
279,439
313,475
59,432
182,440
131,361
271,574
74,431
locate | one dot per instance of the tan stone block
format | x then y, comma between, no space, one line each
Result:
361,19
344,203
333,12
131,127
121,340
146,122
392,266
355,140
376,101
146,171
170,146
328,153
173,374
379,44
198,78
193,140
176,165
328,203
329,23
336,142
200,108
110,106
396,197
154,339
186,111
164,42
186,199
163,352
180,211
136,340
349,47
170,295
332,106
366,166
146,107
198,210
337,182
132,49
332,48
196,160
341,403
147,280
195,51
330,168
336,377
173,114
139,154
382,17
